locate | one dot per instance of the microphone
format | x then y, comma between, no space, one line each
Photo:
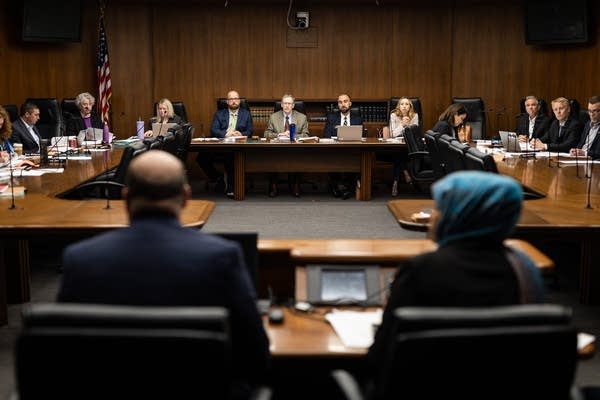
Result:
106,180
11,167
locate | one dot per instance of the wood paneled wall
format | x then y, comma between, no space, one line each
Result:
195,52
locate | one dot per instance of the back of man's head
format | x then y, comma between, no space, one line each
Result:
156,181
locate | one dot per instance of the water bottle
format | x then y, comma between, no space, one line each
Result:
292,133
105,134
139,128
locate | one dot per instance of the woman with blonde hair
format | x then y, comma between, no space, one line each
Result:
165,114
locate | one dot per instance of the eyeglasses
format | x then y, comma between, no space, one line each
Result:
594,111
233,98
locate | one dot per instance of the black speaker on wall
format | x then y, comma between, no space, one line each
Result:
51,21
550,22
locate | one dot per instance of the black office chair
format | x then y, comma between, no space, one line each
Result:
416,102
51,122
178,108
298,106
475,115
69,109
455,156
222,103
77,351
12,110
109,184
437,164
510,352
479,161
419,162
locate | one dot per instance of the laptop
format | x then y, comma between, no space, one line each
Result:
90,137
160,129
352,133
510,142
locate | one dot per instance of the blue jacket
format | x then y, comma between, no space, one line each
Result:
220,122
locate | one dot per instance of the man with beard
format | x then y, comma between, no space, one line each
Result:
232,121
341,185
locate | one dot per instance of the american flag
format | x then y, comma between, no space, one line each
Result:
103,72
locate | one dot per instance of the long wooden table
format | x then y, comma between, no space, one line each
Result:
308,335
563,214
266,156
40,214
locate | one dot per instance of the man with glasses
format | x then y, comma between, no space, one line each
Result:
589,144
230,122
24,129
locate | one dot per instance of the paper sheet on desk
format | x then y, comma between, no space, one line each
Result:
355,328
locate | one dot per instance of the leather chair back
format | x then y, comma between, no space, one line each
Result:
178,108
437,164
479,161
475,115
520,351
12,110
71,351
69,109
51,122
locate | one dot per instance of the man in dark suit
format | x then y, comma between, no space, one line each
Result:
589,145
341,184
231,122
564,132
532,124
24,129
86,118
155,261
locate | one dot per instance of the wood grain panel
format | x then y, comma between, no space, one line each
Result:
196,51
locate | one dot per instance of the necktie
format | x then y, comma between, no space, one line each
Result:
287,123
560,131
232,121
345,121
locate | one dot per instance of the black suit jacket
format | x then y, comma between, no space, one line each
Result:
539,127
157,262
569,138
443,127
594,151
75,124
21,134
333,120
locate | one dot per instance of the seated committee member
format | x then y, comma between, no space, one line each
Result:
157,262
532,124
563,133
475,212
401,117
279,127
230,122
451,120
589,144
165,114
87,117
6,148
341,184
24,129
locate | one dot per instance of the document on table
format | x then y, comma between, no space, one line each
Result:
355,328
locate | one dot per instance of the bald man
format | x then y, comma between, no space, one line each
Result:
155,261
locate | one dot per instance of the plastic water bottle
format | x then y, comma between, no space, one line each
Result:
105,134
139,128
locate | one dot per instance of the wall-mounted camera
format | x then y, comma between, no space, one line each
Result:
302,19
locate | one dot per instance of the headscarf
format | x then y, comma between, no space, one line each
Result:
474,204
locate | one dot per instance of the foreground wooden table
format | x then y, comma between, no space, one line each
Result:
40,214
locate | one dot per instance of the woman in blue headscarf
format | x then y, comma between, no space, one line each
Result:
475,212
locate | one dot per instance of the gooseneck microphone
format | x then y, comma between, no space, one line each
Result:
11,167
106,181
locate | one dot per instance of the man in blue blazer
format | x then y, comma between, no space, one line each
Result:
589,145
157,262
564,132
24,129
341,184
230,122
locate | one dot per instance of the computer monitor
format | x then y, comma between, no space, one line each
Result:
343,284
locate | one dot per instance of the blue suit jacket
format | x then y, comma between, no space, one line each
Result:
21,134
220,122
157,262
333,120
594,151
